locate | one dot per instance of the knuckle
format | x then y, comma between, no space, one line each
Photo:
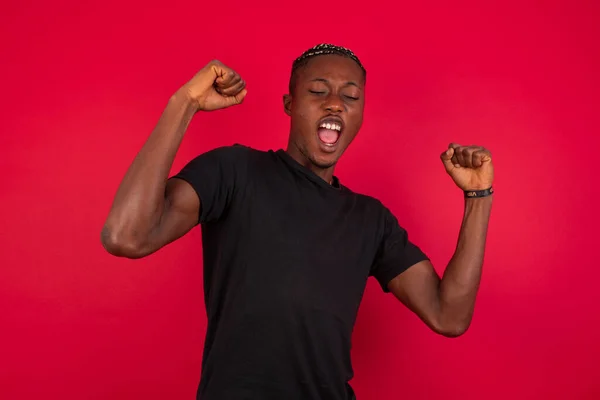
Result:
213,63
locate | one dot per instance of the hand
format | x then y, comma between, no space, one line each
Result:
216,86
470,167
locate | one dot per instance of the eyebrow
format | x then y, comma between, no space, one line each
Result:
349,83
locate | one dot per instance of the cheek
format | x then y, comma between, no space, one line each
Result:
303,114
355,117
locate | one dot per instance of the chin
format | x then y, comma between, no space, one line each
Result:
324,161
317,156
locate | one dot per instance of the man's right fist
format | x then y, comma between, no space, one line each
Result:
216,86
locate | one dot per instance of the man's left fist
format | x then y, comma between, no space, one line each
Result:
470,167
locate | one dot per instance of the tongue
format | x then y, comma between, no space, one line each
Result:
328,136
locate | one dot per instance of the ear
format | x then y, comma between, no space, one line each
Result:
287,104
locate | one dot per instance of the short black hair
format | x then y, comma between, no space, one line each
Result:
321,50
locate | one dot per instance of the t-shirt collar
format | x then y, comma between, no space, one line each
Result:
306,171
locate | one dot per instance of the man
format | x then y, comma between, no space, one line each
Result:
287,248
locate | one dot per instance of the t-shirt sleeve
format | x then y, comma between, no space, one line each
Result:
396,252
216,176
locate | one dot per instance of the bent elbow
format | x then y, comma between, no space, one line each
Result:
120,245
452,330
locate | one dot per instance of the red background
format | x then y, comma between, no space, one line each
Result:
83,85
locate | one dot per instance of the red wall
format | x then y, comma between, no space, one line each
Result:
83,85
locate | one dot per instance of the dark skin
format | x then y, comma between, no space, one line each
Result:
327,86
149,211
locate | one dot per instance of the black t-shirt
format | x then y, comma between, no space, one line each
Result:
286,260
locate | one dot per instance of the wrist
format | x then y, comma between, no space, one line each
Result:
479,200
479,193
183,98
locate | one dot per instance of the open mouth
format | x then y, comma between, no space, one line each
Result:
330,130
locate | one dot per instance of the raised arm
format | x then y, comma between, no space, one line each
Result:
150,211
446,305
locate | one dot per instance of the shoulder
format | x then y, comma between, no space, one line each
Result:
243,151
232,152
366,201
374,213
230,156
377,212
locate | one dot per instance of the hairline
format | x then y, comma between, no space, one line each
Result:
304,63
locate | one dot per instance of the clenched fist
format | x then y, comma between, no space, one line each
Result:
216,86
470,167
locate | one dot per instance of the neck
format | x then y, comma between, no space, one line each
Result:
324,173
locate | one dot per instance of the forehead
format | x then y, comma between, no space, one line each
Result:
332,67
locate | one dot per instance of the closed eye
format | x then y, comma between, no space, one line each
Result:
316,92
351,98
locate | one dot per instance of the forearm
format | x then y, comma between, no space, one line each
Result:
139,200
460,282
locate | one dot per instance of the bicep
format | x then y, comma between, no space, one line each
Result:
418,289
179,215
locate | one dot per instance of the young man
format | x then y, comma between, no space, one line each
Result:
287,248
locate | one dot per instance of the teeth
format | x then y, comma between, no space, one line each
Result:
332,126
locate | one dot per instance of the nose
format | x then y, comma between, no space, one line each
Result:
334,104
